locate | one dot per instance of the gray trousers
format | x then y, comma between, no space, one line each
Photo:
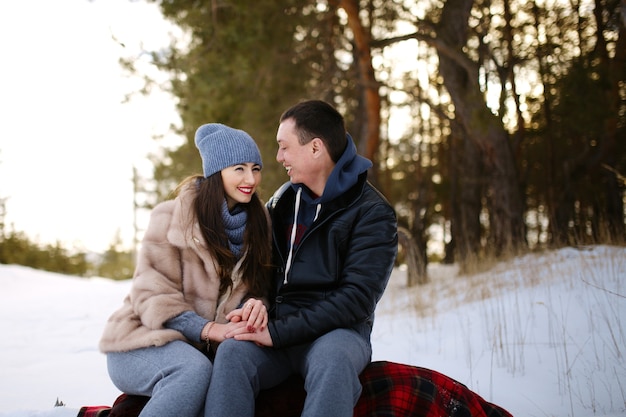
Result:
330,367
176,376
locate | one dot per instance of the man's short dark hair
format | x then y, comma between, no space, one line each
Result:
318,119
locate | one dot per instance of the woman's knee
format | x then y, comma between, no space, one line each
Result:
199,369
193,366
139,371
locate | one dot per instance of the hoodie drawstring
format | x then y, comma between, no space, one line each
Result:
294,228
317,211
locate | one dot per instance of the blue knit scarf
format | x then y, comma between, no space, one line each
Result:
235,225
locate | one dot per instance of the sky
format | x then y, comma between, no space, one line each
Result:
540,335
68,142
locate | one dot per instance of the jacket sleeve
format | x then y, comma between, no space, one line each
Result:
367,265
189,323
157,290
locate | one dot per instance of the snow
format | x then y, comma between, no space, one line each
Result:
540,335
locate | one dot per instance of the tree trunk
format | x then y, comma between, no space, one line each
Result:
460,77
370,133
415,262
467,227
615,78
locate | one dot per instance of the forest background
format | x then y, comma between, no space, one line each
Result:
495,126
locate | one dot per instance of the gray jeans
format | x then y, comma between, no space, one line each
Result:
330,366
176,376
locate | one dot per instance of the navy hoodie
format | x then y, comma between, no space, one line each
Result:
342,178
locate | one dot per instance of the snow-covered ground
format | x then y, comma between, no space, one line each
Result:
540,335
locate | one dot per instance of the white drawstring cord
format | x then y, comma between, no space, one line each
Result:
317,211
294,228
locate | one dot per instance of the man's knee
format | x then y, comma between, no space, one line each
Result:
237,354
342,348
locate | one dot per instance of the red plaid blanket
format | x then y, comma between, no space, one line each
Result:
392,389
389,390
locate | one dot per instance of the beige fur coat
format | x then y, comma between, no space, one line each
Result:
174,274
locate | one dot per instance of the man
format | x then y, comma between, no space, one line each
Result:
335,243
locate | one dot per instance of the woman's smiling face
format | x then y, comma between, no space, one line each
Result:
240,182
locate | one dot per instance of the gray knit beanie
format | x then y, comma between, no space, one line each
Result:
221,146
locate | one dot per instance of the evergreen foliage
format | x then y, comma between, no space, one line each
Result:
239,69
514,129
116,263
16,248
516,113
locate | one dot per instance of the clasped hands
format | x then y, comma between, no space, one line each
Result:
246,323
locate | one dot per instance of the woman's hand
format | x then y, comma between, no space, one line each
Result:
253,312
218,332
261,338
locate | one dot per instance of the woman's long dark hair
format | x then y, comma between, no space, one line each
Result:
256,265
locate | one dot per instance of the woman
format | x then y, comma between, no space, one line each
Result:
205,255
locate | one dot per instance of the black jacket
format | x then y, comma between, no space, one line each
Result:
339,269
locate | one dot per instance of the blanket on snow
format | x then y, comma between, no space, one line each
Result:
389,390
